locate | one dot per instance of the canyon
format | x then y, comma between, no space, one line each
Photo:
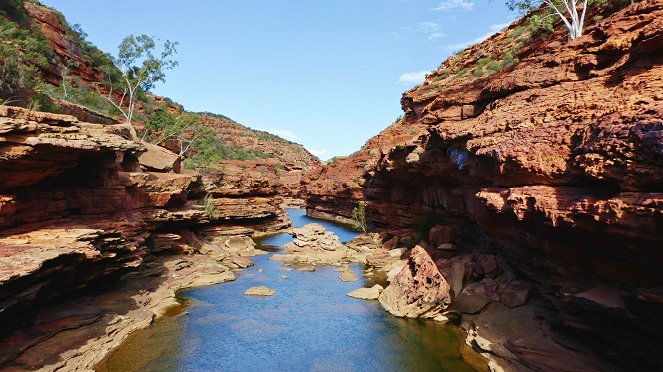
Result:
523,205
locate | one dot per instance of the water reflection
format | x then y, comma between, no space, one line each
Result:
309,325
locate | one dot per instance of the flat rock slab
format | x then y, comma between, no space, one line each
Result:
367,293
466,303
260,291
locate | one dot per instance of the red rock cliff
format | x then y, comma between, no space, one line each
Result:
555,164
82,204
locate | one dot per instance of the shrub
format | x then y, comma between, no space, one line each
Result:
516,32
15,10
42,102
208,206
442,75
541,23
359,217
21,59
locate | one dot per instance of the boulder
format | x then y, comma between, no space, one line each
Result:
468,303
397,253
159,159
447,247
441,234
364,242
313,236
456,276
604,296
516,293
238,262
391,243
418,290
367,293
382,259
240,245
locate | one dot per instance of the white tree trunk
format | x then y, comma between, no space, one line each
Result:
572,20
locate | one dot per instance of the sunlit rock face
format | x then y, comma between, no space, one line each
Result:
418,290
83,204
552,164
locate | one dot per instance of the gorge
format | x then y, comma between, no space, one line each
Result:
514,212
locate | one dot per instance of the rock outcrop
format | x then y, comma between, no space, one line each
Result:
258,155
418,290
81,211
272,160
551,165
332,191
314,245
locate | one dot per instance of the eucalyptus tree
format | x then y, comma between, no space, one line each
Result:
571,12
140,69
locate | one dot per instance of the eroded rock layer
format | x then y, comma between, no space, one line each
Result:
82,204
554,165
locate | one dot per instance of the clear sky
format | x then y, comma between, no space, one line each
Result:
328,74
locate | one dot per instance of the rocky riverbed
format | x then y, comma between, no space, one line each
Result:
309,317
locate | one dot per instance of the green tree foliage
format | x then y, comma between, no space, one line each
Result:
199,146
570,12
14,9
359,222
538,23
22,56
140,70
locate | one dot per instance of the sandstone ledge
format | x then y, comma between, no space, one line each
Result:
76,335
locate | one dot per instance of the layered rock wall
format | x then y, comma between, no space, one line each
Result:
82,204
554,164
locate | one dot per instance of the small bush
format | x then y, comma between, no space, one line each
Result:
541,23
15,10
208,205
21,59
516,32
442,75
359,222
41,102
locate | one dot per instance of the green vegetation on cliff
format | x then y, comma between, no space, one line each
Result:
35,74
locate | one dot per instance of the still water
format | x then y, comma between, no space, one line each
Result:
309,325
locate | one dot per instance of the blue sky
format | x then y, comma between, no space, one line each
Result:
328,74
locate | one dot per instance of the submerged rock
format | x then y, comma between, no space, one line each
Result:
348,276
418,290
260,291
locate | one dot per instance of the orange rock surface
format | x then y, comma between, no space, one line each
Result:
554,163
